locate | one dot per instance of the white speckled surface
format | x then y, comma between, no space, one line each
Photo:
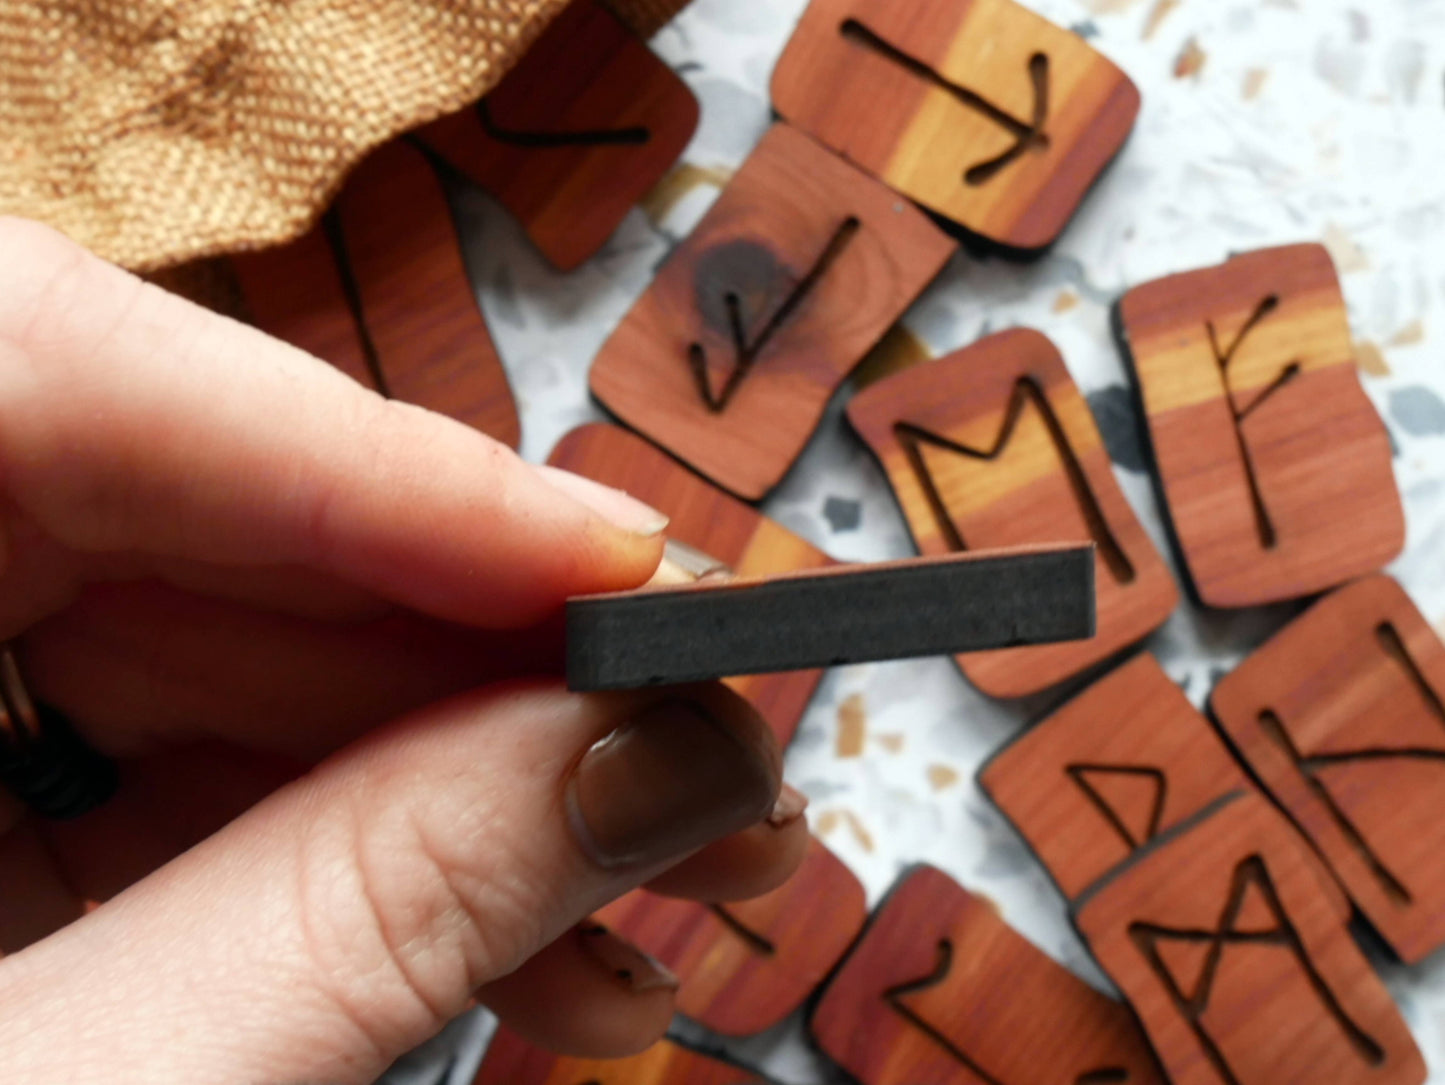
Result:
1307,120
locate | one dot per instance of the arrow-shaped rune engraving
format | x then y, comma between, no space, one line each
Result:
747,352
1028,135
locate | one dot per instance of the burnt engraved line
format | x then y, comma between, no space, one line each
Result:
1078,773
944,963
1394,647
755,941
546,141
745,353
1026,391
894,996
1028,135
1250,871
1274,729
351,289
1264,525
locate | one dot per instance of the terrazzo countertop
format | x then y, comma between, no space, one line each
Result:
1264,122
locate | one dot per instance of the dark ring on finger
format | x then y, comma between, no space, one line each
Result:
43,760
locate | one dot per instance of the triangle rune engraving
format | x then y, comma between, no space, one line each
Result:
1130,797
1253,914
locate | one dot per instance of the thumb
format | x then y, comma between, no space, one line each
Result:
354,912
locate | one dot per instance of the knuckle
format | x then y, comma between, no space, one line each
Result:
400,923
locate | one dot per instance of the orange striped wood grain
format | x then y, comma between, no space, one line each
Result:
939,99
1036,471
1298,496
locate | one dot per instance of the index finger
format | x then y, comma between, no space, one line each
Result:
132,421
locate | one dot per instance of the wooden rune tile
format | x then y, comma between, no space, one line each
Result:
747,965
1272,461
511,1060
722,527
296,293
380,290
980,110
941,991
432,343
1340,716
1238,966
580,130
1123,761
793,275
994,446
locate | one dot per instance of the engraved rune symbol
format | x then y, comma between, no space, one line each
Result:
1313,766
895,995
1110,788
1222,358
1026,395
602,137
746,351
1028,135
1187,959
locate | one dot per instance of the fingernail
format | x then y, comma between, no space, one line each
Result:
612,505
789,807
627,964
683,564
666,783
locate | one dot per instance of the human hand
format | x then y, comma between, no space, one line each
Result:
316,629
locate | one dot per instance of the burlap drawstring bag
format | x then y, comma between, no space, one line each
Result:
159,131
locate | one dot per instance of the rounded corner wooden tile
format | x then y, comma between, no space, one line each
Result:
1113,768
995,446
982,111
746,966
1240,969
940,990
1274,465
731,355
1341,715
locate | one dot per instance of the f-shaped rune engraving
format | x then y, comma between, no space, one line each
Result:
1028,135
1310,766
943,964
602,137
1268,536
1251,874
746,352
1026,393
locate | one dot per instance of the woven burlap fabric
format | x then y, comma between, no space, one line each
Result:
158,131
